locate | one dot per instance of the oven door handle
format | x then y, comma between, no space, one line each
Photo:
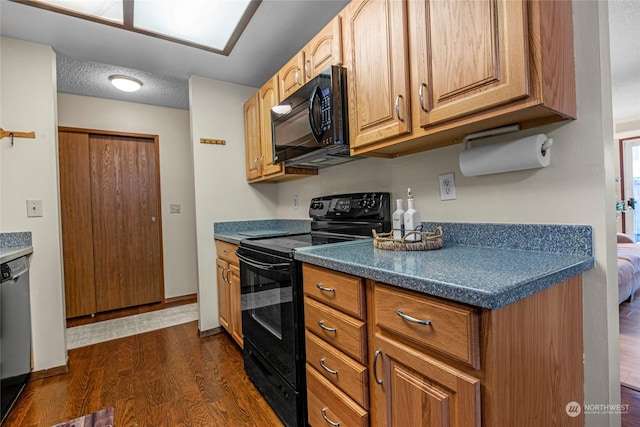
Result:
263,265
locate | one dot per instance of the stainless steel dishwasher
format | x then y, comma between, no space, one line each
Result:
15,331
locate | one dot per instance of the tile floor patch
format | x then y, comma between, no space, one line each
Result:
84,335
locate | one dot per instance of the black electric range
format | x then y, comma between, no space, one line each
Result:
272,295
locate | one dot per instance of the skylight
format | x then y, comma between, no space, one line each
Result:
205,24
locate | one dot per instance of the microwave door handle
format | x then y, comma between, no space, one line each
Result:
317,133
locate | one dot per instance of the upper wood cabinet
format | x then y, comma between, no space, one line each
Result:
324,50
433,72
468,56
252,143
291,76
267,98
378,70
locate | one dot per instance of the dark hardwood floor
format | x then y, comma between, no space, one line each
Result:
168,377
632,398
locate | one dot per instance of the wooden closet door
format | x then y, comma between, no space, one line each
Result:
126,221
77,230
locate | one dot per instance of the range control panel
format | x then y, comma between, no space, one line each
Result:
351,206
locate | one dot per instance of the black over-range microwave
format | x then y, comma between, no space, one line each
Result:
310,127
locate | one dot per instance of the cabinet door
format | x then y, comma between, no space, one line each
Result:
378,74
224,296
324,50
267,98
252,147
291,76
235,304
417,390
469,56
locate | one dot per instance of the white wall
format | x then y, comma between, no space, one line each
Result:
29,171
176,173
222,192
577,188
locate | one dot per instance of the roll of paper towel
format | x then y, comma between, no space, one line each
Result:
523,153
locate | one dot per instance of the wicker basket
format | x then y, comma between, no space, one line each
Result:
429,240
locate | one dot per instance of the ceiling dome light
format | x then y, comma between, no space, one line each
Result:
125,83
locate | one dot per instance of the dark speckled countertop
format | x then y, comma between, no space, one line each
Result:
481,276
485,265
14,245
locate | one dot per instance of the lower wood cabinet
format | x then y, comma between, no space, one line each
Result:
417,390
435,362
229,303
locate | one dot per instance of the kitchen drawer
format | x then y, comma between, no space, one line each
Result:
453,330
227,251
341,330
338,290
344,372
327,404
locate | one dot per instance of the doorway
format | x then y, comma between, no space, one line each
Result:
111,224
630,186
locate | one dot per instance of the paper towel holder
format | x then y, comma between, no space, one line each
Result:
466,141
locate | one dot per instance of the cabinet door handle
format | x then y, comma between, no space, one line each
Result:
222,275
326,328
255,163
421,96
261,163
298,76
325,289
413,319
329,370
227,276
398,98
375,366
306,68
323,411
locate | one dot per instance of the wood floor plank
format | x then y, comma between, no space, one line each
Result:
629,355
169,377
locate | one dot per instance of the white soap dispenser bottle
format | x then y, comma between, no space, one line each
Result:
412,220
398,220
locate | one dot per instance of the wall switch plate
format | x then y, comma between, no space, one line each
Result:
174,208
34,208
447,186
295,202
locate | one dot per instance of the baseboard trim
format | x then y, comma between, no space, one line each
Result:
193,297
51,372
210,332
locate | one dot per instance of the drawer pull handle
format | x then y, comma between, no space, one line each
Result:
324,415
375,366
329,370
413,319
326,328
325,289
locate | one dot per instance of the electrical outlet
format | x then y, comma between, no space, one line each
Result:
174,208
295,202
34,208
447,186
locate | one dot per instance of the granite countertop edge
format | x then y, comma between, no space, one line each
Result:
485,298
9,254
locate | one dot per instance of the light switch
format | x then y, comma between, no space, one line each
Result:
34,208
174,208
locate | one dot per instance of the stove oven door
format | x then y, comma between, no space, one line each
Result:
270,306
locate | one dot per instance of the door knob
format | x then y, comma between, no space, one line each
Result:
154,219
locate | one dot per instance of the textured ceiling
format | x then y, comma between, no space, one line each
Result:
277,31
81,77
